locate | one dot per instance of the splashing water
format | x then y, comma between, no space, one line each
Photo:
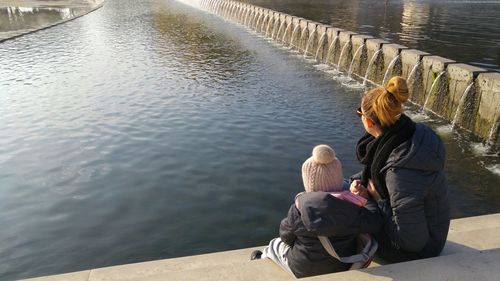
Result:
332,45
479,148
311,36
279,29
413,70
495,169
294,32
431,90
389,67
287,29
322,66
417,116
444,130
342,53
353,58
461,105
302,33
320,45
374,56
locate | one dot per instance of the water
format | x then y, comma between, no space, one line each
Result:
330,49
369,67
437,81
354,58
465,31
149,130
389,68
320,45
18,20
342,54
461,104
311,37
410,75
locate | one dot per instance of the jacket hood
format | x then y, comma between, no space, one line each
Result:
424,151
326,215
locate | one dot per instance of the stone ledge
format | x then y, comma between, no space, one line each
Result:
478,266
471,253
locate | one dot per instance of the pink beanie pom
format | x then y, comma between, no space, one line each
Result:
323,154
322,171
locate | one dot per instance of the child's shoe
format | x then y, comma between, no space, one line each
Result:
255,255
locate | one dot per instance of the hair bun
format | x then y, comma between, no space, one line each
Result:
323,154
398,88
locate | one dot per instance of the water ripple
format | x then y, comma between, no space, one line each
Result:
113,125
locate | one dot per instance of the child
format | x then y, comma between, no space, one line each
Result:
299,251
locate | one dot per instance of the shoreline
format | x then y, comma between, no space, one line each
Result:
83,6
48,4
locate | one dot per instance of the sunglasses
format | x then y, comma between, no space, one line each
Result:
359,112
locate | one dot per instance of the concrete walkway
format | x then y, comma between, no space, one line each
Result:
472,253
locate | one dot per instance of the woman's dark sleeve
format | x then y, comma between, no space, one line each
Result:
356,176
288,226
404,215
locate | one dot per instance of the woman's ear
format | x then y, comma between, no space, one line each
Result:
369,122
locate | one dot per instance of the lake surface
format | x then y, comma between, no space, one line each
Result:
150,129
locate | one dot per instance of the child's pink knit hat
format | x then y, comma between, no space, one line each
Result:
322,171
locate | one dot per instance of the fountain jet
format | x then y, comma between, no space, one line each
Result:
389,67
320,45
372,60
353,58
460,105
342,53
432,88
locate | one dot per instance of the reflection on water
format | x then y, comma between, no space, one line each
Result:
465,31
152,130
414,20
19,20
17,14
184,36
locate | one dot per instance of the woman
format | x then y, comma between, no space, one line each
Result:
403,176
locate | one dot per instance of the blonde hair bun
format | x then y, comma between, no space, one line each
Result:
323,154
398,88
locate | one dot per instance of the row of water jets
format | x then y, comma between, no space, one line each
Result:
277,30
282,32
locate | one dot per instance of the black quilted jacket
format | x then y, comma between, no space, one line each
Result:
307,257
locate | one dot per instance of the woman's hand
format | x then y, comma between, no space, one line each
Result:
373,192
358,189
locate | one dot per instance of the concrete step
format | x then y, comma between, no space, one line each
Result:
473,234
475,223
468,238
205,262
258,270
475,266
